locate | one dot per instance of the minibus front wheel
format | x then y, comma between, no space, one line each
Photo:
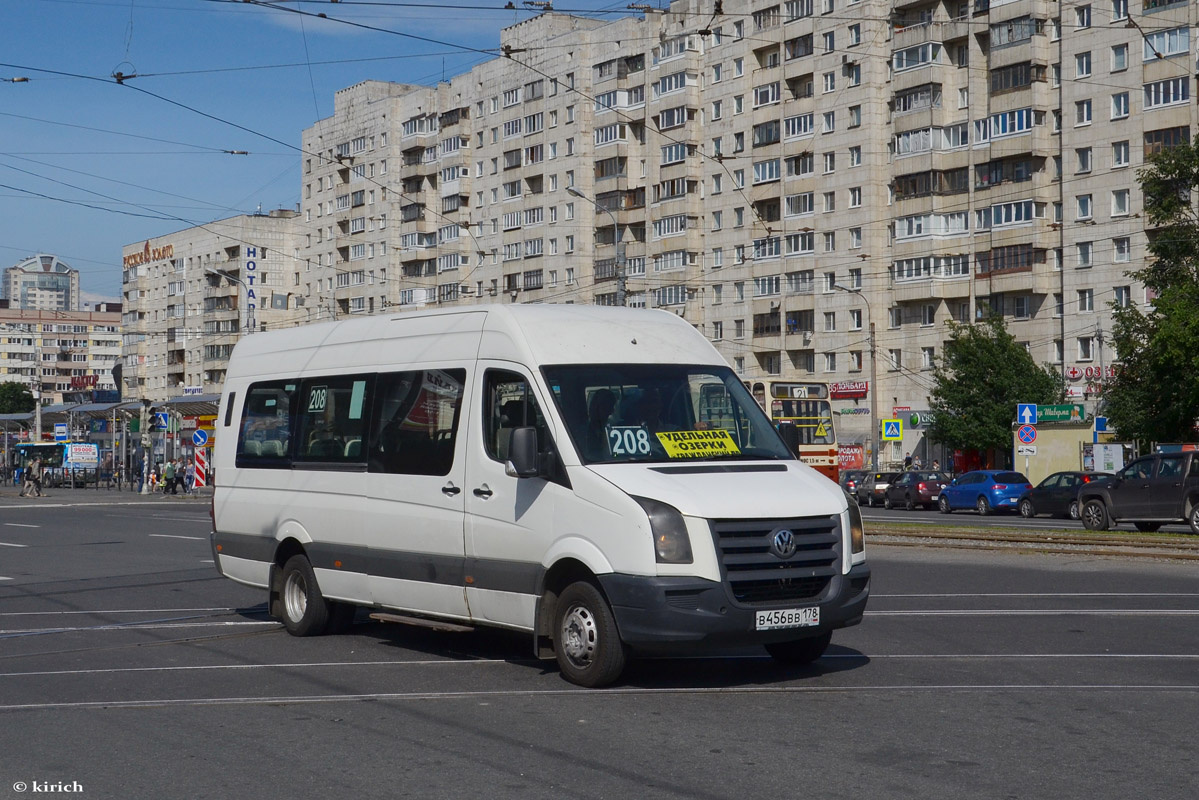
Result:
587,643
305,610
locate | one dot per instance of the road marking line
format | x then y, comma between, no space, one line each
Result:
129,611
20,525
130,626
593,693
211,667
1049,594
9,544
5,579
172,536
963,612
447,662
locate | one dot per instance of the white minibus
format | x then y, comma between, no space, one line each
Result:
597,477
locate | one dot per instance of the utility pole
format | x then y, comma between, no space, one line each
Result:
621,276
875,439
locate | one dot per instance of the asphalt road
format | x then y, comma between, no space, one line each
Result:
129,669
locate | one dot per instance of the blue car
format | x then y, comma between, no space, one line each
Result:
986,490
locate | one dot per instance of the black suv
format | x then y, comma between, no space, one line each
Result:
1149,492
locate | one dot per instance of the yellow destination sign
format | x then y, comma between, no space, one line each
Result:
696,444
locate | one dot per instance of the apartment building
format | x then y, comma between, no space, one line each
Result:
189,296
789,178
60,352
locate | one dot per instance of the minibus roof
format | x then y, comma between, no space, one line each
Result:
531,334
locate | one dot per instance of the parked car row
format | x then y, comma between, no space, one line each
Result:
1151,491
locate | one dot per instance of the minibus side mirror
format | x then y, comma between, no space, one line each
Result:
790,436
522,454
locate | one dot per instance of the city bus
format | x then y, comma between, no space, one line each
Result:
806,407
57,466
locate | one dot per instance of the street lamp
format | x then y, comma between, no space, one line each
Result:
620,261
250,322
874,438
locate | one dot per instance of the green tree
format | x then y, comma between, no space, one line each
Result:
15,398
983,374
1154,396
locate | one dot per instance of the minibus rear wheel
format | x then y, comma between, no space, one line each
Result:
800,651
305,610
587,643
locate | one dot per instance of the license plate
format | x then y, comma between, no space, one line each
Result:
936,497
787,618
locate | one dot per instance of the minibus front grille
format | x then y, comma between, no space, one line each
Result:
754,572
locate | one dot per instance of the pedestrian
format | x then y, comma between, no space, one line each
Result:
190,476
32,485
907,461
917,463
168,478
936,465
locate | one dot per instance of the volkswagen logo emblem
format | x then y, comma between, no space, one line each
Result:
782,543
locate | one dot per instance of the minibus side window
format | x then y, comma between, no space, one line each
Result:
415,421
266,424
509,404
331,417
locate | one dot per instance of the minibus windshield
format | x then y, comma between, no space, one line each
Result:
661,412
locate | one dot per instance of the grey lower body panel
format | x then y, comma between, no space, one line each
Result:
667,614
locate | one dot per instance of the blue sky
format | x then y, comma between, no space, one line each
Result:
88,165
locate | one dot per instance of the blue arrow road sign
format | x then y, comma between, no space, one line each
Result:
200,437
1026,413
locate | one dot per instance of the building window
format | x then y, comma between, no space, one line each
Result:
1086,348
1086,300
1119,57
1120,105
1120,202
1120,154
1083,250
1082,112
1121,249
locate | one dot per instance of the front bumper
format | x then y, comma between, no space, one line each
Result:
668,614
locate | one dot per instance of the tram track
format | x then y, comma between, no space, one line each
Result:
1180,547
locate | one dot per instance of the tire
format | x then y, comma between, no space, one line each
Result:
1095,516
305,610
1026,509
1072,513
1193,517
587,643
870,500
1147,527
800,651
984,507
887,504
943,505
908,504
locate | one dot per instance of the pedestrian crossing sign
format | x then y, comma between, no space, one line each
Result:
892,430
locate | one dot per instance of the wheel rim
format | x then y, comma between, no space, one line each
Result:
1026,509
982,505
295,596
580,636
1092,516
1074,510
944,504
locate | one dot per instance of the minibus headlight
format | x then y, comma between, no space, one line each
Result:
672,545
857,536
